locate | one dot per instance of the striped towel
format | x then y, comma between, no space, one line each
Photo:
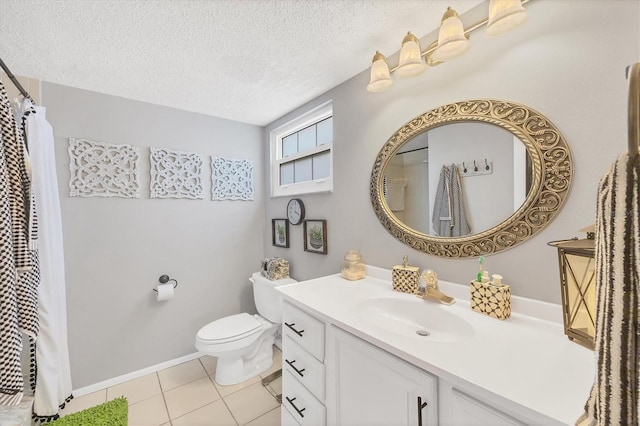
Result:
449,212
614,395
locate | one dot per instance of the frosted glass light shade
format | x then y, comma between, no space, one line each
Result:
380,78
452,41
410,63
504,15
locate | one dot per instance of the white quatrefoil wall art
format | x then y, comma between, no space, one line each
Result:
100,169
232,179
176,174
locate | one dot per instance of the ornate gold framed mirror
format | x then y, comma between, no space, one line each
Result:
546,173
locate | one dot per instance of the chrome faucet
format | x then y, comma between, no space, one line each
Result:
431,290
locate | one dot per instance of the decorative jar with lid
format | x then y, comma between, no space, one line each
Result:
353,267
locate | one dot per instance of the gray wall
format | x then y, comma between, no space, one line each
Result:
567,62
117,248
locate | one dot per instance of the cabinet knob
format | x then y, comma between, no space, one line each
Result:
294,368
421,406
298,332
299,411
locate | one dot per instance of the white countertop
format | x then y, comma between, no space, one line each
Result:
526,360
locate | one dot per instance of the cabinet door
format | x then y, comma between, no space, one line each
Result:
469,411
368,386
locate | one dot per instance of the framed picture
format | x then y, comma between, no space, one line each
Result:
280,232
315,236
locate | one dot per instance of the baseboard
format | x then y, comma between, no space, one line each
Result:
134,375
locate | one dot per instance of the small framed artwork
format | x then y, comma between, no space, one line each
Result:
280,232
315,236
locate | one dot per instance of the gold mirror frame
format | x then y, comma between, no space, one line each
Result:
552,172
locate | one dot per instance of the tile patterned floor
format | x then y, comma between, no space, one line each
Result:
186,395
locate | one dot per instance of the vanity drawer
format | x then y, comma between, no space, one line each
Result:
304,367
303,329
286,419
300,403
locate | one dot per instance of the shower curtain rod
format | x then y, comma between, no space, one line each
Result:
14,80
633,73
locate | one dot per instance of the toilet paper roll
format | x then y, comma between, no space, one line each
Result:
165,291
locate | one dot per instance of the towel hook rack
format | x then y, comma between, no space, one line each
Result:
634,109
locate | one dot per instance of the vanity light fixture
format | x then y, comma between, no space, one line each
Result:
453,41
380,77
411,62
504,15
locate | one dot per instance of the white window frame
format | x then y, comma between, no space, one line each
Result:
307,119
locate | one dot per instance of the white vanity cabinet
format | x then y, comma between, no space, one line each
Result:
368,386
343,366
356,383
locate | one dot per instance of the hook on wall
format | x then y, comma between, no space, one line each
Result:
477,169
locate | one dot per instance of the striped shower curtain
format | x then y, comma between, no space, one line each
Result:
19,266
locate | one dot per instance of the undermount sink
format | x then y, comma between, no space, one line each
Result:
415,318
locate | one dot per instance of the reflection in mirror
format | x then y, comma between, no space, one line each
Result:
488,183
518,175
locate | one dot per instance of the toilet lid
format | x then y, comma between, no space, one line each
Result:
233,327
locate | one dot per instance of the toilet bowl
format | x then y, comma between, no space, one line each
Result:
243,343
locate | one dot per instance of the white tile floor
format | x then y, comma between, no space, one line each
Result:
186,395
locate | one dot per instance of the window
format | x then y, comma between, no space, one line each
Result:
302,154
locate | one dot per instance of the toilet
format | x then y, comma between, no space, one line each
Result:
243,343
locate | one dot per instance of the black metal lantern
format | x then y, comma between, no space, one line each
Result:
578,283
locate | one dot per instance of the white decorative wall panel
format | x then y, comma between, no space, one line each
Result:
100,169
176,174
232,179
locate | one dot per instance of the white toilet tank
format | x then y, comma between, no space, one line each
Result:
268,301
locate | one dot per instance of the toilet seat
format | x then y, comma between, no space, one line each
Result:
230,329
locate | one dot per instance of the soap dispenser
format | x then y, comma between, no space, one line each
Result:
353,267
492,298
406,278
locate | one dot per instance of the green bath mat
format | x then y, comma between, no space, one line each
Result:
111,413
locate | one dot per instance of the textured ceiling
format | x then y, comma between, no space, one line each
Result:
250,61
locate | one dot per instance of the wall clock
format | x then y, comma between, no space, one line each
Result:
295,211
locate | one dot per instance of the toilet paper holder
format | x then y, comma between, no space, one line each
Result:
165,279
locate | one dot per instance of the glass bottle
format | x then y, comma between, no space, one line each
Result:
353,267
